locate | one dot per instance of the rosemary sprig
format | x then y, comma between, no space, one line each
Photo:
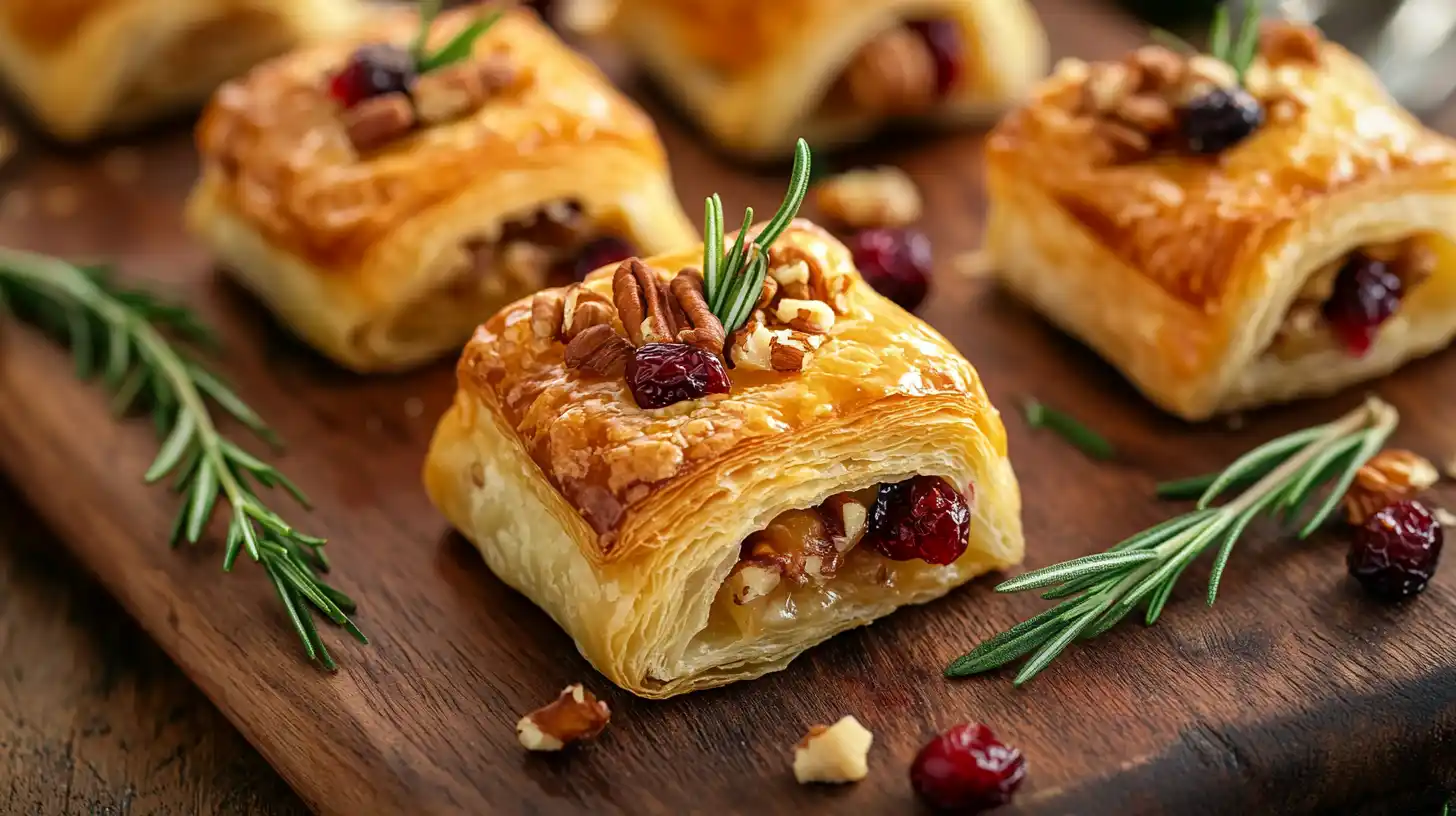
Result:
732,281
1069,428
122,335
458,48
1098,591
1238,52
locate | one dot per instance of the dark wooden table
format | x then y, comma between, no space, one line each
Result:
95,719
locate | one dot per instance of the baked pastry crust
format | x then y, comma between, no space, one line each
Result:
753,72
1180,270
83,66
358,253
624,523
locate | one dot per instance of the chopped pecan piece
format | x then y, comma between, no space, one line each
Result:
699,326
575,715
642,303
378,121
1390,476
584,309
599,350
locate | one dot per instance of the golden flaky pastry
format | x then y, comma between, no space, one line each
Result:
630,527
83,66
388,255
758,74
1218,282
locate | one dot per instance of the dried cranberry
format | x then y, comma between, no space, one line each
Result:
1219,119
1367,292
968,770
943,38
922,517
1395,551
896,262
373,70
598,254
661,374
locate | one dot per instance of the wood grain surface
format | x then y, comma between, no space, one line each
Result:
1296,694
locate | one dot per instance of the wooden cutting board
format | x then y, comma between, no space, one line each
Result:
1296,693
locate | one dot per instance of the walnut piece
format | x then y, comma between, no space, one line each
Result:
700,327
1390,476
863,199
449,93
751,580
599,350
808,316
1282,41
548,308
378,121
835,753
575,715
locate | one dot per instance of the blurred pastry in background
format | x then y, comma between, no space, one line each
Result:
387,191
81,67
757,74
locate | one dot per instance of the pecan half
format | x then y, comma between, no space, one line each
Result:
1390,476
547,309
378,121
642,303
599,350
700,327
576,714
584,309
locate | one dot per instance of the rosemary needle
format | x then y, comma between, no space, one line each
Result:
1069,428
1098,591
123,335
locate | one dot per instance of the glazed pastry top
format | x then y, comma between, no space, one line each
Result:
276,140
1184,221
604,453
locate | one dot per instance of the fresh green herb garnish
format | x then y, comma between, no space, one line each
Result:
1238,51
1100,590
459,47
123,335
1088,440
732,282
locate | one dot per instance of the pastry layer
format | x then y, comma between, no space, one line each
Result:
351,250
754,72
83,66
624,523
1180,270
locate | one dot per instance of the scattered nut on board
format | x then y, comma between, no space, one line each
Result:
864,199
575,715
834,753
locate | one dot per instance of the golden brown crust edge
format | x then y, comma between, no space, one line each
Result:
1179,270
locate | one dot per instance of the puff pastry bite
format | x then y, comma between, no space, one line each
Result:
716,538
756,74
384,200
1228,247
83,66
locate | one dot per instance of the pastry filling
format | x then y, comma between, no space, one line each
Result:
557,242
860,540
903,71
1347,301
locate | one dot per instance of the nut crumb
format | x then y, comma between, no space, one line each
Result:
834,753
576,714
862,199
